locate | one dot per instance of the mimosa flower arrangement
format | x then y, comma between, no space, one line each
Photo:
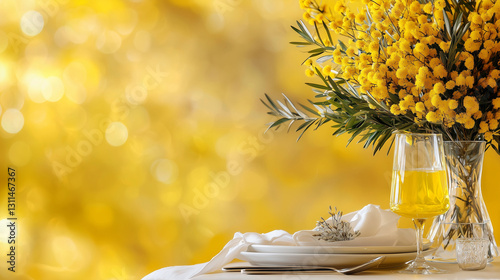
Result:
426,66
400,65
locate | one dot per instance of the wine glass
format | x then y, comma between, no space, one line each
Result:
419,188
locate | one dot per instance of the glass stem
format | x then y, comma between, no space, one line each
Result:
419,228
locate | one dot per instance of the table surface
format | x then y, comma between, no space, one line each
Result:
492,271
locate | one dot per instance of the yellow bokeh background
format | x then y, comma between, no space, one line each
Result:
137,135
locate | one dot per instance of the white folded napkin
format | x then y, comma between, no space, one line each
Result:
377,227
232,250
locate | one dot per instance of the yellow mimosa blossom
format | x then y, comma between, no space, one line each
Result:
406,103
340,6
486,16
433,117
327,70
377,15
493,124
376,34
360,44
452,104
373,47
471,46
422,19
402,73
483,127
428,8
435,101
360,17
495,74
489,115
469,81
491,82
346,61
440,71
415,7
421,49
461,118
420,107
350,15
484,54
460,80
405,46
488,136
469,123
477,115
350,70
350,51
445,46
395,109
439,88
496,103
489,44
475,18
469,63
475,35
307,17
471,104
450,85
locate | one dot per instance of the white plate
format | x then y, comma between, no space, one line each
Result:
333,260
334,249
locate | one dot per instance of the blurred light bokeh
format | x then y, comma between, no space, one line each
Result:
137,134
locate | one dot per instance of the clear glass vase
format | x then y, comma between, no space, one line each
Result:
464,164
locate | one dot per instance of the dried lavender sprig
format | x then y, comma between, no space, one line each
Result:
337,231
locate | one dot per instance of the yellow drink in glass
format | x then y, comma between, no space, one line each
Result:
419,187
419,193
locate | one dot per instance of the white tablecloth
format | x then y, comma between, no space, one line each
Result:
492,271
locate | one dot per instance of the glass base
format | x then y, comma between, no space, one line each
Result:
421,268
441,260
